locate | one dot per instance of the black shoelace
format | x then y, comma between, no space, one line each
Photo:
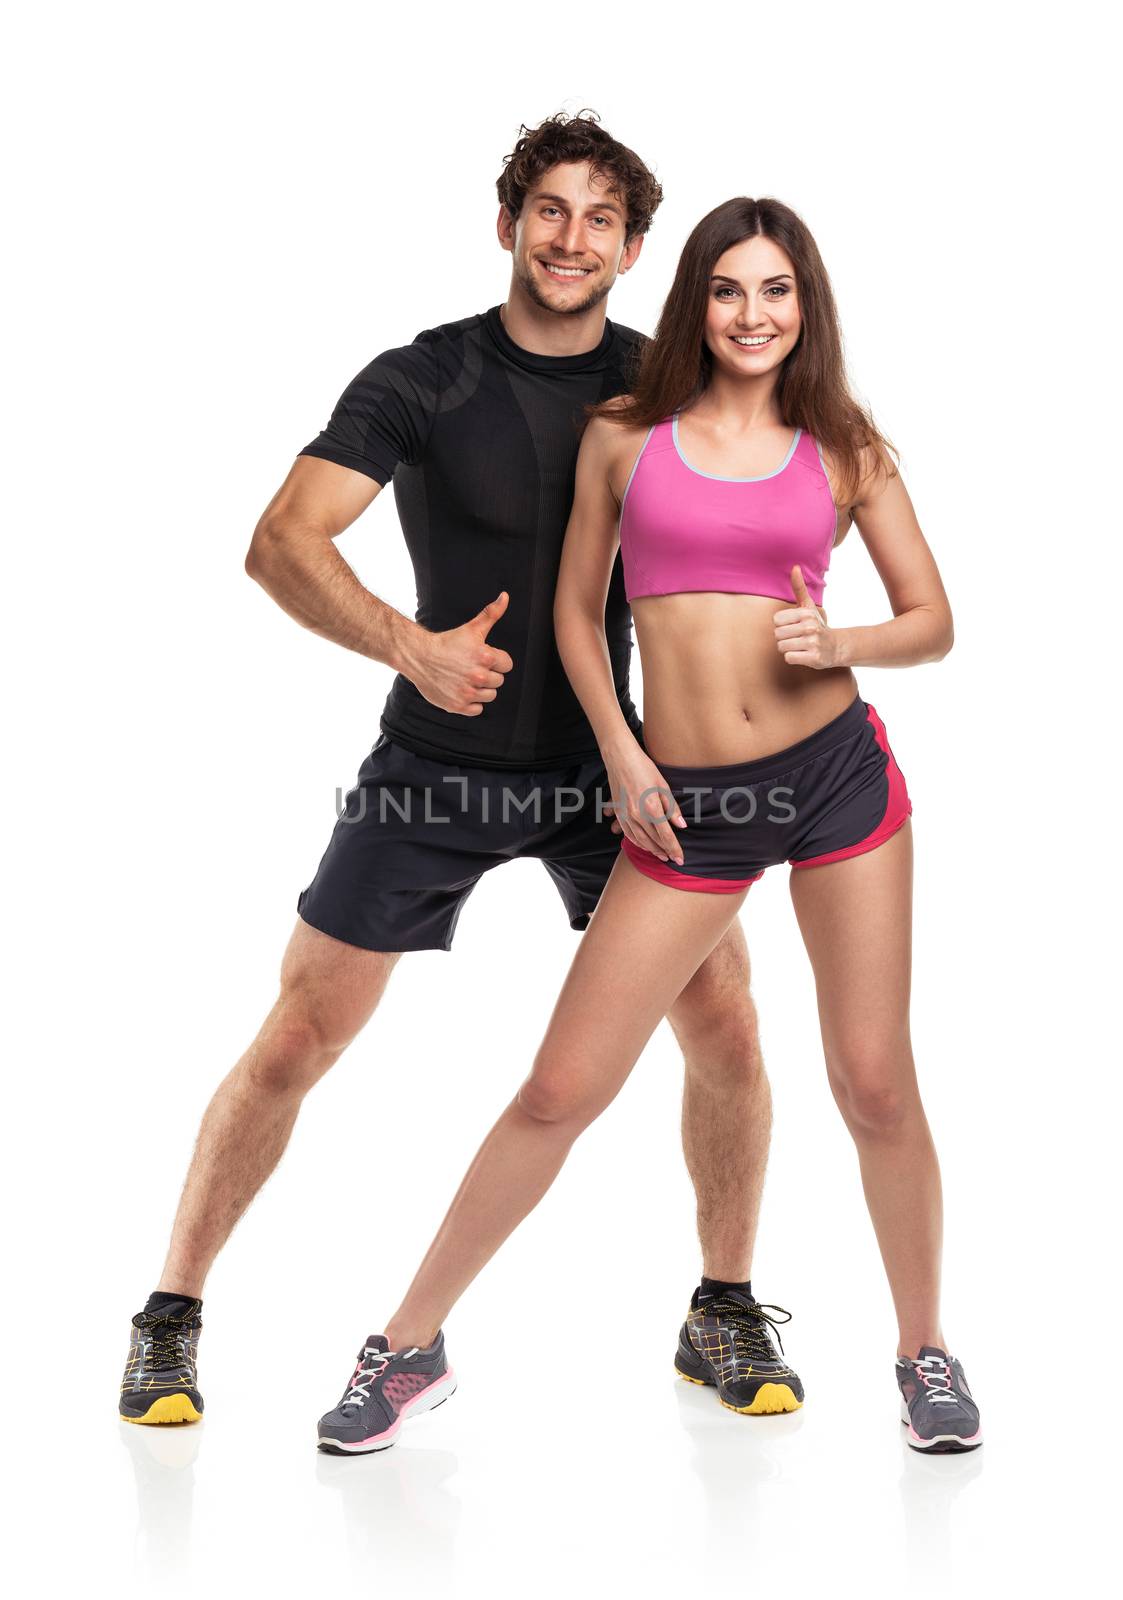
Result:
163,1336
750,1323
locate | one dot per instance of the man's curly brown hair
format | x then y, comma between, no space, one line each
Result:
563,138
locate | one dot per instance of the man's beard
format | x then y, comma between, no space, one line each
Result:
527,279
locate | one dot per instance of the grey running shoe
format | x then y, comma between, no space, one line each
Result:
161,1381
937,1407
386,1389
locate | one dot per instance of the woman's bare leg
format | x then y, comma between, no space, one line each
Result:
856,920
642,947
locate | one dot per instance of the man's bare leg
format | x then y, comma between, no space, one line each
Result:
726,1106
328,991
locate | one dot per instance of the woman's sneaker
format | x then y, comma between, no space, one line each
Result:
386,1389
161,1382
936,1405
726,1343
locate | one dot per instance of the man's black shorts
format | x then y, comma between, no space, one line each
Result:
416,836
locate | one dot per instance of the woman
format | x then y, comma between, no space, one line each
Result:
728,476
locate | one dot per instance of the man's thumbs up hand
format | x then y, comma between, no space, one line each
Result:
490,615
458,670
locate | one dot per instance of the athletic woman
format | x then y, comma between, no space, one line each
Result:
727,478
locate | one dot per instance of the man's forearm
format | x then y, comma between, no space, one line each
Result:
309,579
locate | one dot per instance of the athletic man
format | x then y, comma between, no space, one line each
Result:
485,753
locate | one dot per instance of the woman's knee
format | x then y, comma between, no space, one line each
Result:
875,1087
556,1094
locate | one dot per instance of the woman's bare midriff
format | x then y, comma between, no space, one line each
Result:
717,690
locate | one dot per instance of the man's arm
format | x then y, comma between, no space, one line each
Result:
293,557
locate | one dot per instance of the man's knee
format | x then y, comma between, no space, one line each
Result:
328,991
714,1019
293,1050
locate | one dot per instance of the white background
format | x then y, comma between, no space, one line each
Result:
220,214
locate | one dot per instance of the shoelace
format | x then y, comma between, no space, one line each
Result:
749,1324
359,1391
164,1334
935,1375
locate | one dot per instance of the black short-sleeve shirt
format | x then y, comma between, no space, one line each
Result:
480,438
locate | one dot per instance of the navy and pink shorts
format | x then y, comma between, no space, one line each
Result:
835,794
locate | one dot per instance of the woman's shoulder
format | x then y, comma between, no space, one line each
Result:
871,468
611,431
617,412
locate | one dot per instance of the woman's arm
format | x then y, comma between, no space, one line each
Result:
586,569
921,629
589,550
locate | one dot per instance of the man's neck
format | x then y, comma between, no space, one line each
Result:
551,333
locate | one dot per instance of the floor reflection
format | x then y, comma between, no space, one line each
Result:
398,1508
930,1486
734,1457
164,1469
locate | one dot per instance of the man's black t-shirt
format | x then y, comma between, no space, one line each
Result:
480,438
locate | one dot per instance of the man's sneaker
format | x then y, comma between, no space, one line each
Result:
936,1404
726,1342
387,1388
161,1382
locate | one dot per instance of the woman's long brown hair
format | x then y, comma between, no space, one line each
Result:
813,391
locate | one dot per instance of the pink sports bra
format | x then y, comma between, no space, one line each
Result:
681,529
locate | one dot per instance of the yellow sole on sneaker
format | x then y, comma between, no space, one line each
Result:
770,1398
702,1384
169,1408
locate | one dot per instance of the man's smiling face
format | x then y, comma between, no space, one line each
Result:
567,244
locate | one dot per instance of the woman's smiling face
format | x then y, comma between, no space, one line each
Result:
752,317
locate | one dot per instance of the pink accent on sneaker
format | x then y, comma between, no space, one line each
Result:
652,867
898,807
392,1431
944,1438
402,1387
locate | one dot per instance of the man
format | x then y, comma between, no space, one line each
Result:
484,748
